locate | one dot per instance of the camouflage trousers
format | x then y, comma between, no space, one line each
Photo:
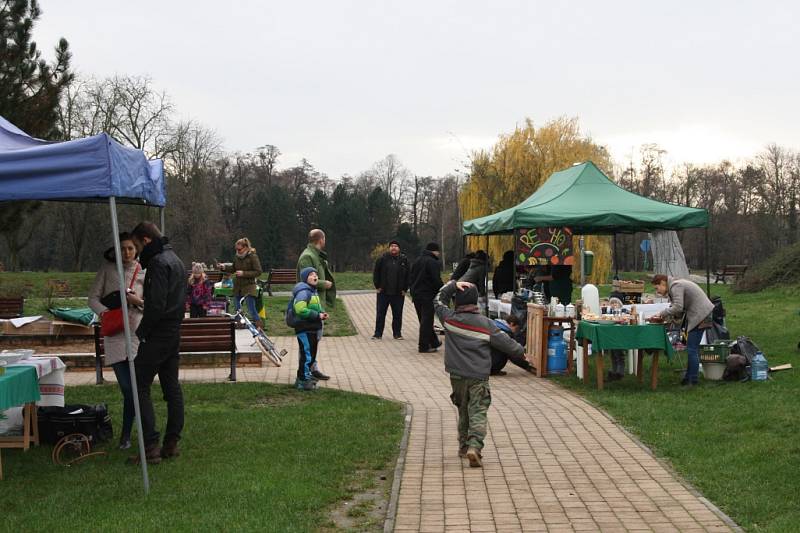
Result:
473,398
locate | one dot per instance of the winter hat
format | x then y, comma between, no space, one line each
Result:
468,296
394,241
306,272
432,247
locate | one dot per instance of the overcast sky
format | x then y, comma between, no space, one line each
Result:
344,83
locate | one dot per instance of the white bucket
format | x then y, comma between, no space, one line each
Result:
713,371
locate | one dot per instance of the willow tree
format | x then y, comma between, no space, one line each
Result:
517,165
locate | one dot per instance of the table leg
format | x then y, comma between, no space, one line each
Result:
585,360
571,349
654,371
26,426
599,369
639,370
35,422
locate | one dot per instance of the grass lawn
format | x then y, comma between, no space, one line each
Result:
255,457
337,325
737,443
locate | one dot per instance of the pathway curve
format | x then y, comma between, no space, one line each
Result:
552,462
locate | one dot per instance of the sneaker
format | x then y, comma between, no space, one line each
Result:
124,442
498,373
462,451
429,350
474,458
170,449
375,338
319,375
398,337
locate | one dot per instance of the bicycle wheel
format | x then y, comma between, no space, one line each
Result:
268,349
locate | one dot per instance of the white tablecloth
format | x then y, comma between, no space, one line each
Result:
50,374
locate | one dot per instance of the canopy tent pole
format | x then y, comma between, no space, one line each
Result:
163,218
486,278
616,262
128,345
708,268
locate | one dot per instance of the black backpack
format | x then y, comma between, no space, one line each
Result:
90,420
744,346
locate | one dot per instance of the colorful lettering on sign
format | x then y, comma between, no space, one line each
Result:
544,246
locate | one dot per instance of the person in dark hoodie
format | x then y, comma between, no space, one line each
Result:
476,273
390,278
462,266
305,315
503,278
426,279
470,338
159,335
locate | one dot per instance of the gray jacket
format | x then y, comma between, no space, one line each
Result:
687,298
470,337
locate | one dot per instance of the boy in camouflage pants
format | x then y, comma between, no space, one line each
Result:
470,337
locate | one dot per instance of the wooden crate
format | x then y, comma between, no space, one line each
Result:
636,287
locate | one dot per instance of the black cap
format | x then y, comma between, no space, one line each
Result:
394,241
468,296
432,247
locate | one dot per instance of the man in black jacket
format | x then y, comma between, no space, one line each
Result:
426,280
390,278
159,338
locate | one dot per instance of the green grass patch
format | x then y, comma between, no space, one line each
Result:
345,281
255,457
337,325
737,443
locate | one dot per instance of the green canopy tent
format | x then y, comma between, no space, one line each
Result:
586,200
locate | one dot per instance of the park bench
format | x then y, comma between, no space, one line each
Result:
208,335
11,307
58,288
281,276
736,271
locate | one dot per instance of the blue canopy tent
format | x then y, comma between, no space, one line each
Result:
92,169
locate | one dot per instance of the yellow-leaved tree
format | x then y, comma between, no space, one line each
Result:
516,166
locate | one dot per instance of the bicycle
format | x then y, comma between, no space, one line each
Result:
263,342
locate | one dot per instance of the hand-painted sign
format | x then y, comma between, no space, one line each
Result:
544,246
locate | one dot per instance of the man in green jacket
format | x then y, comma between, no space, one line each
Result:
314,256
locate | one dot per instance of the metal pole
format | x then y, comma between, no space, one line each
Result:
163,219
128,345
616,262
583,270
708,269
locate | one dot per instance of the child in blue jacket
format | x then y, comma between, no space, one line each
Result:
306,318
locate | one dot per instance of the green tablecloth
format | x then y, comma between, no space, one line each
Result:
618,337
18,386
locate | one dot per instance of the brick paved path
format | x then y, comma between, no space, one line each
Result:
552,462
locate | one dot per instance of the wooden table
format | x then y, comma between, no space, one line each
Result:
20,387
650,338
536,342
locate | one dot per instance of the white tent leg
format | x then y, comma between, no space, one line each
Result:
128,346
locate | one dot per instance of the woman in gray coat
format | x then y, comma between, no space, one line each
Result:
105,282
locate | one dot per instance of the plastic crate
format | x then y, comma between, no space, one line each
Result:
715,353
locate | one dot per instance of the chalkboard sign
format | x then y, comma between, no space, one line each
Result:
544,246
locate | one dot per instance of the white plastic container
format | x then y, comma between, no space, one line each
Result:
560,311
713,371
591,298
570,311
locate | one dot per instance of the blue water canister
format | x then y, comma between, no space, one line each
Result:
759,368
556,351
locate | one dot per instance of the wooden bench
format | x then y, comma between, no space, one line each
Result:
281,276
198,335
58,288
736,271
11,307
